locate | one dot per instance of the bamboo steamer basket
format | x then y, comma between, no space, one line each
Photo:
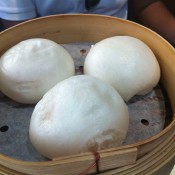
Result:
144,157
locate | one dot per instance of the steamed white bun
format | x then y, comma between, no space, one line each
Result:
79,114
124,62
30,68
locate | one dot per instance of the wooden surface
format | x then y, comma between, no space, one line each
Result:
151,153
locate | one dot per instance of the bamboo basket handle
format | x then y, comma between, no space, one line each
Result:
103,160
117,158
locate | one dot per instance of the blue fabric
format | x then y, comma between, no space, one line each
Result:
17,10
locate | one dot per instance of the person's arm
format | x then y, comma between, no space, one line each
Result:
158,18
6,24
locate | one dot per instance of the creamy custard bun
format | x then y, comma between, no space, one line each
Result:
79,114
30,68
124,62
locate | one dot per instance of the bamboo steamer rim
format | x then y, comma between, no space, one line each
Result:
83,17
